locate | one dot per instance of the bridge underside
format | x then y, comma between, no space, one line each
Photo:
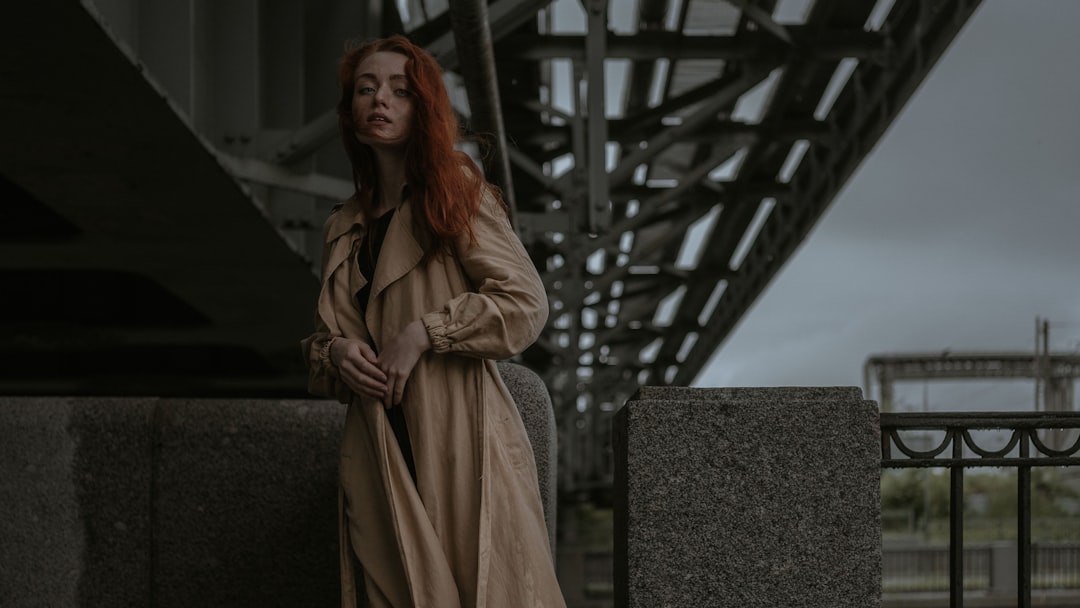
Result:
166,167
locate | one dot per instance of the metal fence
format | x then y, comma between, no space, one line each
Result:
1056,566
986,567
1033,440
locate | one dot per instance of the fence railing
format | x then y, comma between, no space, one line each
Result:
1033,440
924,568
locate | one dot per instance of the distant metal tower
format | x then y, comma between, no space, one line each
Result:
1057,371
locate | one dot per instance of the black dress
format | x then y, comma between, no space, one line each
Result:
367,258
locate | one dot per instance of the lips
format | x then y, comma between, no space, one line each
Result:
378,118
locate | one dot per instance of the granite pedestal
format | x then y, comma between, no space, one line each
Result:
747,498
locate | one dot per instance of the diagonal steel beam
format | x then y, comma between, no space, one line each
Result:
473,41
303,142
504,17
704,114
764,19
683,220
651,206
533,169
271,174
649,118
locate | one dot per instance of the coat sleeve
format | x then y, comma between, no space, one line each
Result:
507,309
322,373
323,377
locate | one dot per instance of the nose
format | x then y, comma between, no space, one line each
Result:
380,96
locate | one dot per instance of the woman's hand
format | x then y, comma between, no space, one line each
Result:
358,367
399,357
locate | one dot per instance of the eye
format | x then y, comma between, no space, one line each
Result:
365,90
401,92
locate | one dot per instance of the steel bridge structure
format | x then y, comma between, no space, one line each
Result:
166,166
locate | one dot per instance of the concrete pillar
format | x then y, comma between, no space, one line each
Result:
537,413
1004,561
756,497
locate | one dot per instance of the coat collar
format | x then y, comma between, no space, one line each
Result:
342,220
401,252
350,214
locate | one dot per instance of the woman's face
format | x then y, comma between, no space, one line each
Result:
382,105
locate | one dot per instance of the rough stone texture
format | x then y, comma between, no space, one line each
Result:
534,402
138,502
41,536
196,502
113,471
757,497
246,503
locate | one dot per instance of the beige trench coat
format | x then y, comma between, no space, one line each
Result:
470,532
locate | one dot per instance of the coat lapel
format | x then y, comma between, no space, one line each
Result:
341,278
400,253
340,224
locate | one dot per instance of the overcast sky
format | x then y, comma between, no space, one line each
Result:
956,232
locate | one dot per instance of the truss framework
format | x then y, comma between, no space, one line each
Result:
733,131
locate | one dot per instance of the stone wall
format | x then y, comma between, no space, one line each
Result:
185,502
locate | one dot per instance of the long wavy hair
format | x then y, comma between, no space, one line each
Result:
443,180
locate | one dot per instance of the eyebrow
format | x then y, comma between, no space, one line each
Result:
368,76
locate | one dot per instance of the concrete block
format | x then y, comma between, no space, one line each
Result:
534,403
747,498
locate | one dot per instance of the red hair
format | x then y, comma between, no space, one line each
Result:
444,180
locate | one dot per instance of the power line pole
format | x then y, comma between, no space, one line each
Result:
1037,361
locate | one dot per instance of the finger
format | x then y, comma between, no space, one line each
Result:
373,387
359,381
388,397
357,386
373,370
369,393
360,387
399,391
367,353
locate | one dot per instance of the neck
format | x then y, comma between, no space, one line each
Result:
391,172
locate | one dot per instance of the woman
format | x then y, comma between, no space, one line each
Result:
425,285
